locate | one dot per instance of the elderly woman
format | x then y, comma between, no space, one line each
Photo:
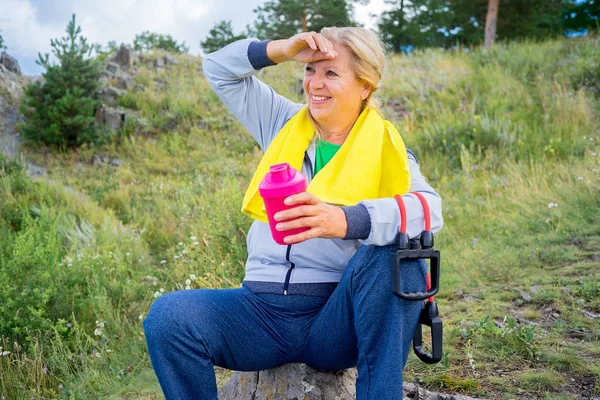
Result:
325,297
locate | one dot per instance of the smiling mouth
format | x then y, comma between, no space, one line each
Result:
319,99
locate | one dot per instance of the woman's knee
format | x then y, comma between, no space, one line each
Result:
161,318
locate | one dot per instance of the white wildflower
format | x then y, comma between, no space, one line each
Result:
195,243
163,262
188,287
552,205
192,277
193,238
580,178
156,295
184,251
161,290
188,282
98,332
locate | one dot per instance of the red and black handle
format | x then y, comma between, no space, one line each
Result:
413,250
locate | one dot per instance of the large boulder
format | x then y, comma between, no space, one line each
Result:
301,382
124,57
291,381
10,63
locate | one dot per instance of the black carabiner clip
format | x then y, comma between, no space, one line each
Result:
429,316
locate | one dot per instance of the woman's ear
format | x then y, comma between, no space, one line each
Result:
366,91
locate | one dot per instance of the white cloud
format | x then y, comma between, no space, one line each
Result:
21,29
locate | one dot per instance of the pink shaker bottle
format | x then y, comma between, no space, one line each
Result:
280,182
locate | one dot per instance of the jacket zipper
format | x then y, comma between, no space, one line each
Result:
289,248
289,272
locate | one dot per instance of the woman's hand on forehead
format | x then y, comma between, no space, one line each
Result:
308,47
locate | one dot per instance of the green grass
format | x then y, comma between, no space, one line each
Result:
501,135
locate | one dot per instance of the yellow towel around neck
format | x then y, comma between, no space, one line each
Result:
372,163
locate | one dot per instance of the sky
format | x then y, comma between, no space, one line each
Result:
28,25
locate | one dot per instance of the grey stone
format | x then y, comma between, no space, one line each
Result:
170,59
298,381
112,68
413,391
110,95
115,162
524,295
113,118
124,56
291,381
536,289
125,80
159,62
10,63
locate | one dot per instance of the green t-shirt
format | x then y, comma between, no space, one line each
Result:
325,152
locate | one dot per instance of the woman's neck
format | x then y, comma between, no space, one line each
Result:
336,134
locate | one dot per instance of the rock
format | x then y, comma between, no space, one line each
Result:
10,63
125,80
524,295
536,289
110,95
104,160
291,381
113,118
413,391
300,382
124,57
112,68
170,60
115,162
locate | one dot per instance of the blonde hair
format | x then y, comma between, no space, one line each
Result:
367,59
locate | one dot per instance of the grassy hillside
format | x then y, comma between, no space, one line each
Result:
509,139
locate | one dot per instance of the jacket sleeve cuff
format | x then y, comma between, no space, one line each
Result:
257,55
359,222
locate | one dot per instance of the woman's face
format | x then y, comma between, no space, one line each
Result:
333,92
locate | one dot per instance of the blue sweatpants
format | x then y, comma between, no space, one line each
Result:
360,324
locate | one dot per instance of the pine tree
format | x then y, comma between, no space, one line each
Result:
2,47
220,36
280,19
59,109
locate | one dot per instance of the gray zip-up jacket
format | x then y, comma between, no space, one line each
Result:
288,269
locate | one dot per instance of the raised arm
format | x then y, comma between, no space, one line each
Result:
230,72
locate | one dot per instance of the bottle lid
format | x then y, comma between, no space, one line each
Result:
282,180
280,173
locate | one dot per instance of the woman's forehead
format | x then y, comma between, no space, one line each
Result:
341,61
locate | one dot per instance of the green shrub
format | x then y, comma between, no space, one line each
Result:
147,41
